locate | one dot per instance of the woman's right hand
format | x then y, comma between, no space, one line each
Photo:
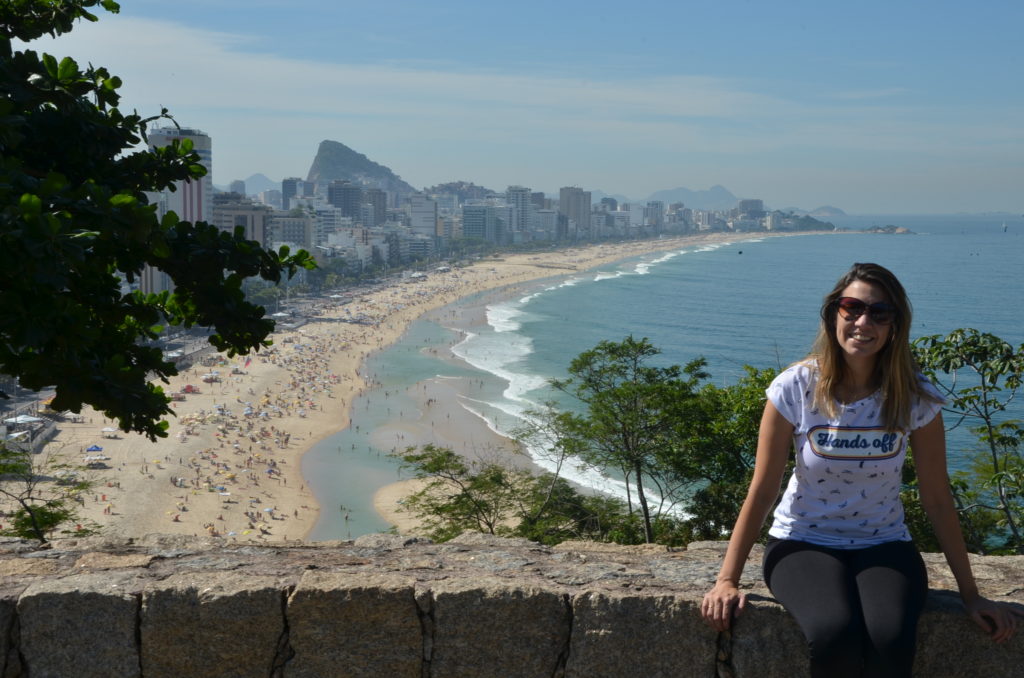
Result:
721,604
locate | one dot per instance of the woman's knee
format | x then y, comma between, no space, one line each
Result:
836,645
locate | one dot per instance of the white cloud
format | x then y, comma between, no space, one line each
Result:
267,113
865,94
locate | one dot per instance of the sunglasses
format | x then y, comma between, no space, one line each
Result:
880,312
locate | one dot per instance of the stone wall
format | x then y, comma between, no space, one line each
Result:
389,606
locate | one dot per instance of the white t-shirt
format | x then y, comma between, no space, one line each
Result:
845,488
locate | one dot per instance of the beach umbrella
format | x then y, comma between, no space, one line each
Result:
94,448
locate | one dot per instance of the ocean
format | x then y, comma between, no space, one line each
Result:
750,302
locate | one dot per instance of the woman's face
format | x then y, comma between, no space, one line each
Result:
861,338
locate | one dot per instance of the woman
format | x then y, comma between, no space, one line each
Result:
839,556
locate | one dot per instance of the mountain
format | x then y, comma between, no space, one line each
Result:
715,198
827,211
257,183
335,161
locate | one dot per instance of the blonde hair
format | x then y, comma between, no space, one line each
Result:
895,369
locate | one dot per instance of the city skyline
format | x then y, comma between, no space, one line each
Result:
871,108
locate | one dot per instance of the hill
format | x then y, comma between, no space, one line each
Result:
715,198
335,161
257,183
465,190
827,211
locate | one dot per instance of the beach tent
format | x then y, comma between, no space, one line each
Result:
22,419
94,448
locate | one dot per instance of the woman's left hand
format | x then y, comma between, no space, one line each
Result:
999,620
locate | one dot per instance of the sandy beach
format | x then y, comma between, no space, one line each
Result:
231,464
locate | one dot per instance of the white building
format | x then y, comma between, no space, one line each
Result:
521,198
192,200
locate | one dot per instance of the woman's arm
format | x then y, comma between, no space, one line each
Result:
774,441
929,447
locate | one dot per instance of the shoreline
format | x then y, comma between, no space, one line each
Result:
231,465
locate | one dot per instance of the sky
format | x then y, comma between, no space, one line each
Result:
875,107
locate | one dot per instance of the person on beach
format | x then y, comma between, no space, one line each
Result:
839,556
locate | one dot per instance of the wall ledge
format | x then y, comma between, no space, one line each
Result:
387,605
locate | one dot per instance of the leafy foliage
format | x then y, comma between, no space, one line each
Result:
980,374
717,445
43,489
490,497
632,411
75,221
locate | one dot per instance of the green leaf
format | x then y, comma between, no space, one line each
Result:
50,65
122,199
31,206
68,69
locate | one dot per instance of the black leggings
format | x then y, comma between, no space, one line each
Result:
858,608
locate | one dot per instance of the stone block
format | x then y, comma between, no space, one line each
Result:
494,627
639,634
10,662
82,626
764,641
353,625
950,644
211,624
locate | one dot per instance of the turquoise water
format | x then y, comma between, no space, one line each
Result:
753,302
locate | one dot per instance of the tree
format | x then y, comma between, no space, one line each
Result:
983,374
461,495
632,410
491,497
75,222
43,487
715,450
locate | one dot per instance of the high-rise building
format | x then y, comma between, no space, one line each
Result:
654,213
574,204
193,200
271,198
378,200
446,202
489,222
290,188
346,196
422,215
298,230
750,209
609,204
237,186
520,198
231,210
